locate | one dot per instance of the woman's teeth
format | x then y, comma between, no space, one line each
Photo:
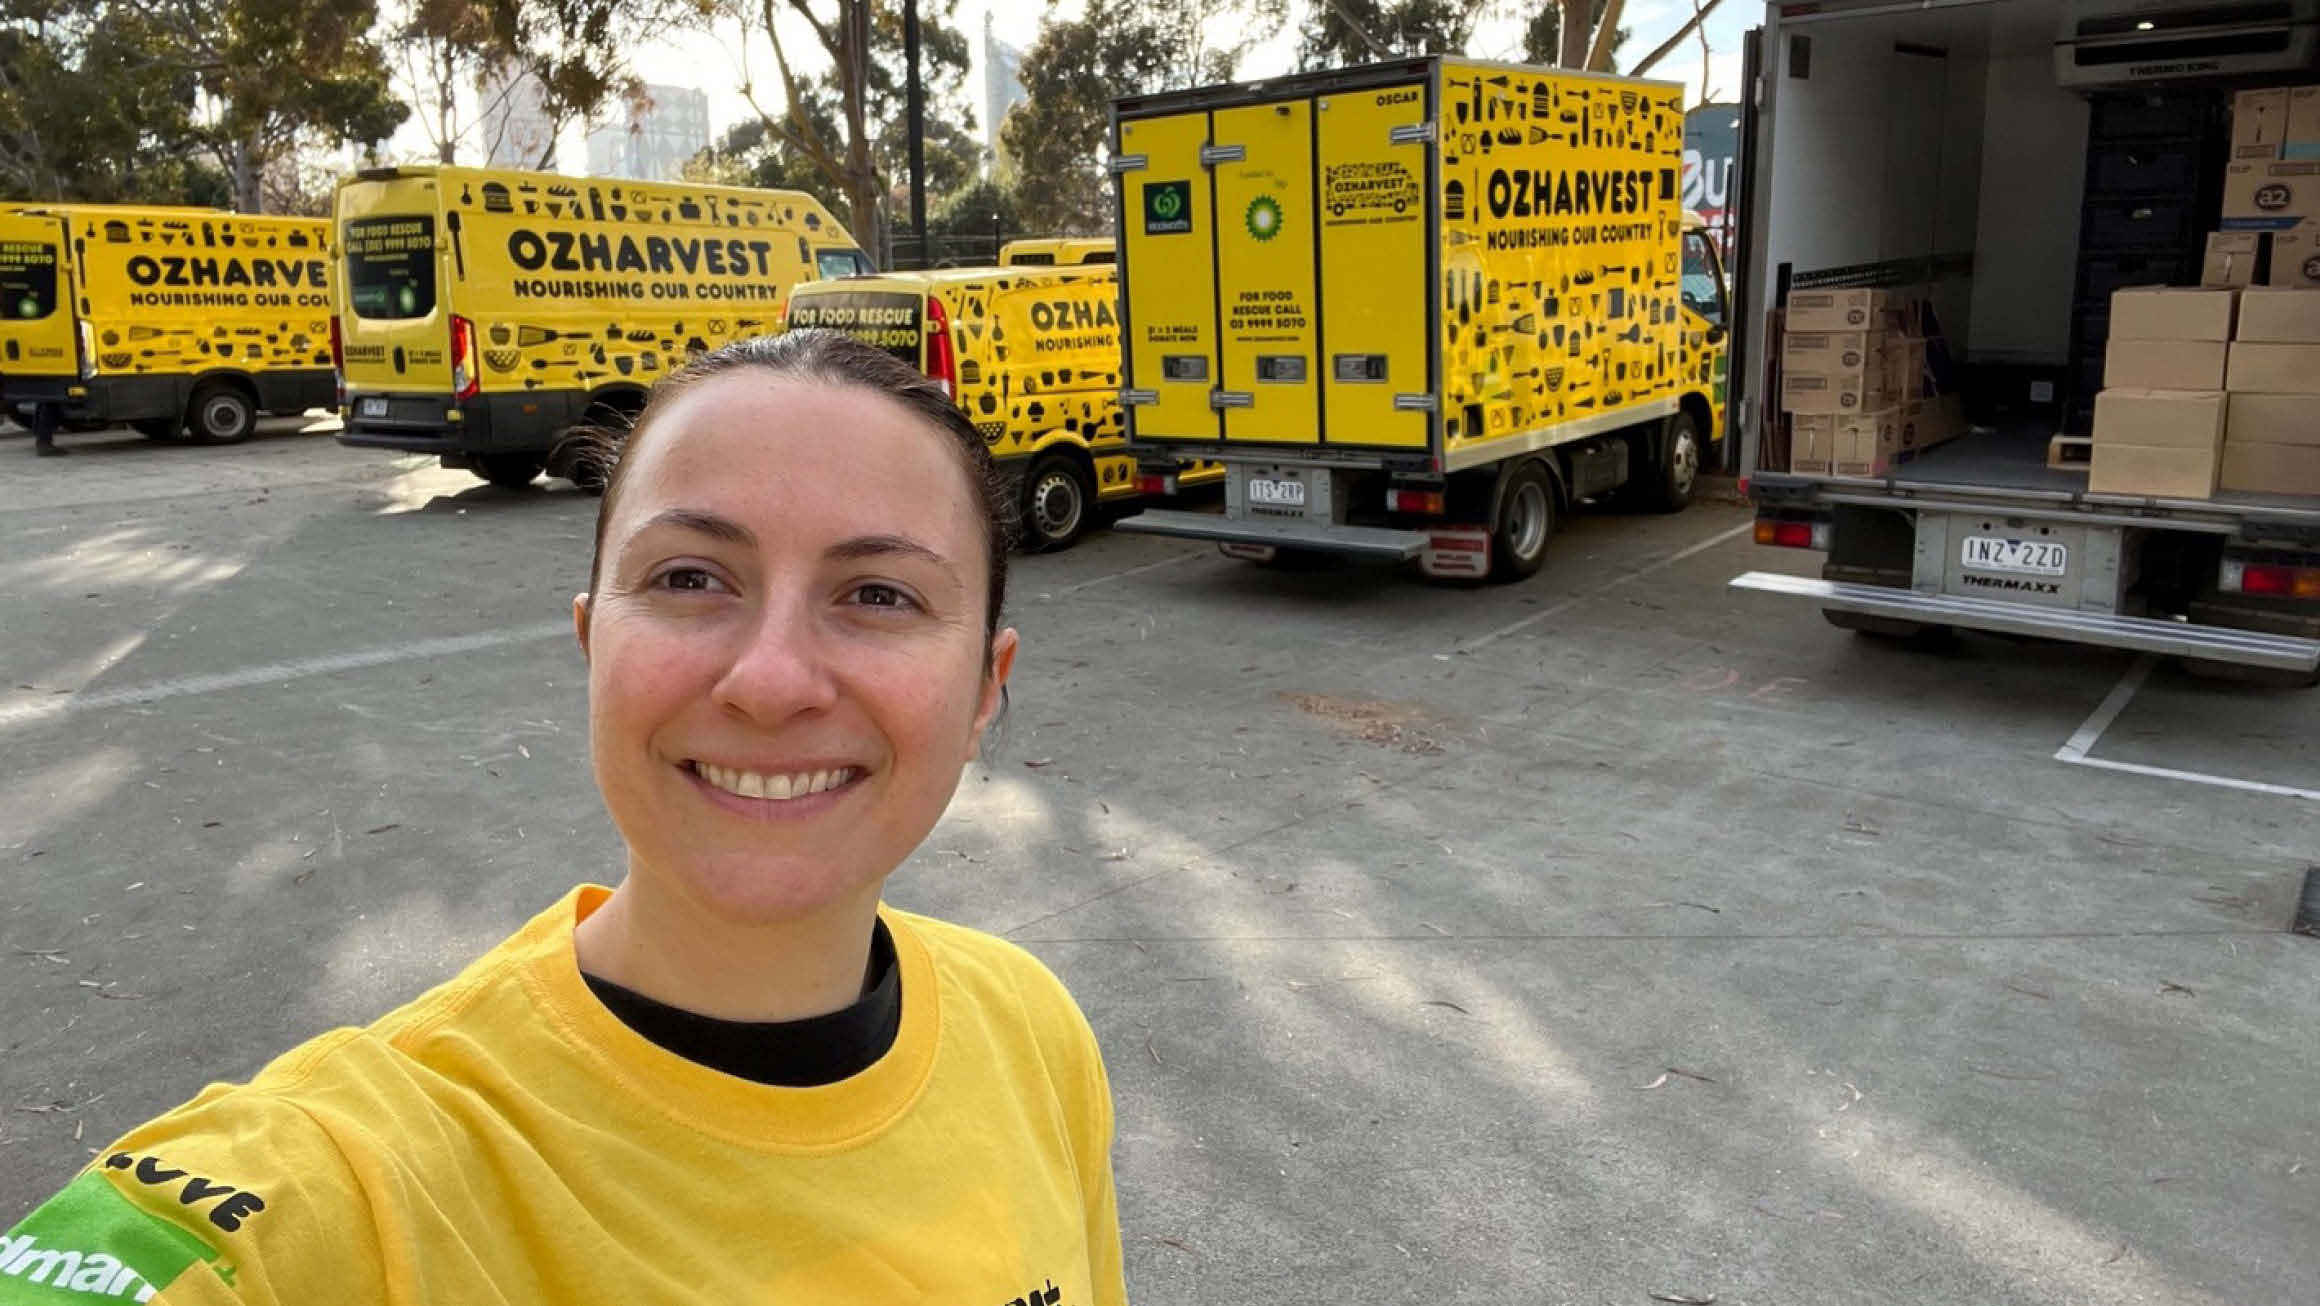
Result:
752,784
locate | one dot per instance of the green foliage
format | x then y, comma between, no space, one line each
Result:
84,116
1543,35
1056,137
1341,33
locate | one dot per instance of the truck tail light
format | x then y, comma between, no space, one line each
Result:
1155,484
465,379
1422,501
2269,580
1790,533
338,358
942,359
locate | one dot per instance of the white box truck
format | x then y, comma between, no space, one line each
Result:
2013,164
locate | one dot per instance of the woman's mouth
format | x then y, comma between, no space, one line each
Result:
781,787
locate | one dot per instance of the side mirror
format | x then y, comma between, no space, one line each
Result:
1716,333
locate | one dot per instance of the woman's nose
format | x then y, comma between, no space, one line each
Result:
780,668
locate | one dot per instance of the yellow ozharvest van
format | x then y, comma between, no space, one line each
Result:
489,312
1057,251
1033,356
1417,308
163,318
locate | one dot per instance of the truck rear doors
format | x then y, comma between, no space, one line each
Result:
1246,225
395,311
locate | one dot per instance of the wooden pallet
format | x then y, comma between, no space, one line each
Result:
2070,453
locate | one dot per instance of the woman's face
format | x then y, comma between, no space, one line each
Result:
786,667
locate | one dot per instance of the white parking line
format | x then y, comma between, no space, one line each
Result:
17,714
2082,741
1480,641
1171,561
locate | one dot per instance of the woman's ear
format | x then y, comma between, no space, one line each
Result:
580,621
1002,665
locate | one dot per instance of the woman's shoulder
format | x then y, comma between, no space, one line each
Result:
987,970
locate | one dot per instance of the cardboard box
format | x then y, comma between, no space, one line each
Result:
1867,443
2167,419
2258,468
2148,471
2259,124
2279,315
2276,369
1836,310
1831,353
1812,443
2164,364
2270,196
2171,313
1805,392
2234,258
2295,260
1918,419
2303,140
2272,419
1905,368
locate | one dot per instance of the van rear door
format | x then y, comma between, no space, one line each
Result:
36,319
395,310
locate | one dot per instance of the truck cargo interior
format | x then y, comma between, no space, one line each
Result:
1937,152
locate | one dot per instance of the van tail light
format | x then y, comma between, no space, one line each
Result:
465,380
2271,580
942,359
1792,533
85,346
338,358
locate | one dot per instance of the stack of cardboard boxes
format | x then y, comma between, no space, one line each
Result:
2209,389
1854,384
2271,192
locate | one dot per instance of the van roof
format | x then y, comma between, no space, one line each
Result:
399,172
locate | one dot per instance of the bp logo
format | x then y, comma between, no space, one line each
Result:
1167,207
1264,217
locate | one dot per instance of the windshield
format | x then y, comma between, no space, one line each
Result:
835,263
1703,287
27,279
390,267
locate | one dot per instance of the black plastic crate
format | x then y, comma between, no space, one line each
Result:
2157,225
2143,168
2101,274
2144,115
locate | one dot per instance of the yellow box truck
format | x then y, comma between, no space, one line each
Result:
490,312
1033,356
1417,308
1056,251
166,319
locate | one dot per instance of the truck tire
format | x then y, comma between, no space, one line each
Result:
158,428
1057,503
1525,517
509,471
222,414
1673,468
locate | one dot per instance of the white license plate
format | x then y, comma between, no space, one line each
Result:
1277,494
371,407
2028,557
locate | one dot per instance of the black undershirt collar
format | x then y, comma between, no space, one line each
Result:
789,1053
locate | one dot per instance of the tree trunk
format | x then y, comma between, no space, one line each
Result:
861,174
1575,33
249,193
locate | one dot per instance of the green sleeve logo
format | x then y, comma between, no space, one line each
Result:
90,1241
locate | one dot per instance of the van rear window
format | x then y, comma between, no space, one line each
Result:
891,320
390,266
27,279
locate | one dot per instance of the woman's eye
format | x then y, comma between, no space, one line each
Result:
687,578
881,596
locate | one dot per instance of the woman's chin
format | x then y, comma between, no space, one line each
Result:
756,890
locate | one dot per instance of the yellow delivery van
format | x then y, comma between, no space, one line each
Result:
1419,308
1033,356
489,313
166,319
1057,251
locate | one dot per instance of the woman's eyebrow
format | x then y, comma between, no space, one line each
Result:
702,523
882,546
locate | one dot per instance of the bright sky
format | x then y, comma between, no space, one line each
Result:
715,61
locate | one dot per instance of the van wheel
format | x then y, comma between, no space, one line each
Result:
223,414
158,428
509,471
1526,518
1672,471
1057,500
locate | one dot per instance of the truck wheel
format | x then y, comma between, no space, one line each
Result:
1526,519
1673,470
509,471
158,428
223,414
1056,503
2252,677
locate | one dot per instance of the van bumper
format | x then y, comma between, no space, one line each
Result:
425,423
100,398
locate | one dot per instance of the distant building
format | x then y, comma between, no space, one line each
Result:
517,131
1002,90
664,130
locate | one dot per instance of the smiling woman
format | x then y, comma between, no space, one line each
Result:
737,1076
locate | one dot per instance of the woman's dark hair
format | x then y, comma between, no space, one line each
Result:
831,358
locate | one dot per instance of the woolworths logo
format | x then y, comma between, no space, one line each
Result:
90,1242
1167,207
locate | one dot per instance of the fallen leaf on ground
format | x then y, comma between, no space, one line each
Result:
1685,1298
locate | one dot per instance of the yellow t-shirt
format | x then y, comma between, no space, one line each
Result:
505,1139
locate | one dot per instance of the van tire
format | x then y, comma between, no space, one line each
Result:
1525,521
509,471
159,428
1058,502
223,413
1671,471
